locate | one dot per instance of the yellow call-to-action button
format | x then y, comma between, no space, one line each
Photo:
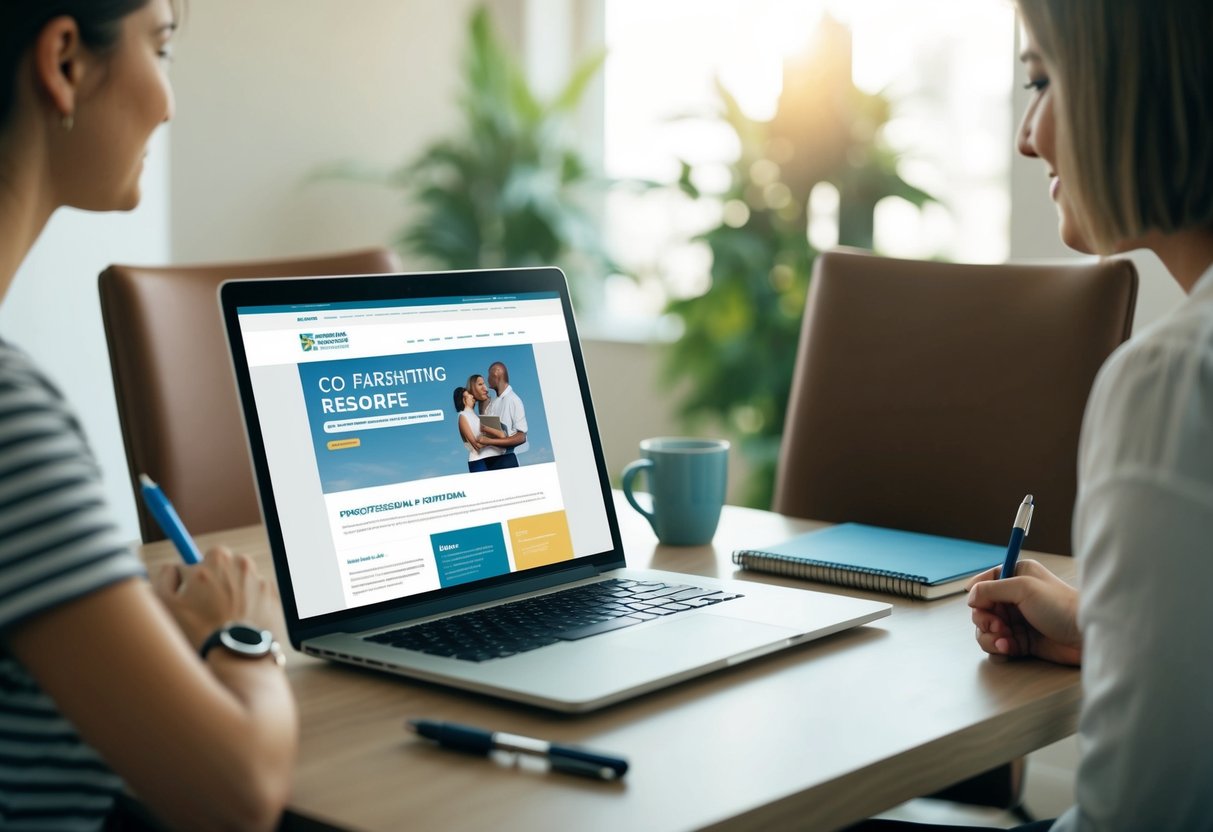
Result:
342,444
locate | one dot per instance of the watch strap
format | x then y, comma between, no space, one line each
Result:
212,641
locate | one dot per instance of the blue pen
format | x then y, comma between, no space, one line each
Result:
168,521
1023,519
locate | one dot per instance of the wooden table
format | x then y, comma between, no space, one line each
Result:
812,738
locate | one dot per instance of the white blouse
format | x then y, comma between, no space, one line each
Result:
1143,535
474,423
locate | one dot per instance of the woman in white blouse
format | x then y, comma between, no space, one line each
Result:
1121,117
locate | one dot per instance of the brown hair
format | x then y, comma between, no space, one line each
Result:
1131,81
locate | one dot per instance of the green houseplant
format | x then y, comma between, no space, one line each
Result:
507,189
736,355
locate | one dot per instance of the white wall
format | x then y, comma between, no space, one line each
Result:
269,91
53,312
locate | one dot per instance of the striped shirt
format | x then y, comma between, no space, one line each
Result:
57,543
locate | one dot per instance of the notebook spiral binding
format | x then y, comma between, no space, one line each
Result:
875,580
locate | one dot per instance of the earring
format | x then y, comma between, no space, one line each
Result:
69,121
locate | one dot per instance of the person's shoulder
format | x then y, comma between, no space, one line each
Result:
18,372
25,391
1163,358
1148,405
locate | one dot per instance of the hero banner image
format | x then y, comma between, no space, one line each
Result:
392,419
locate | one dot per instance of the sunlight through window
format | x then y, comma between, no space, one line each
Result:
944,65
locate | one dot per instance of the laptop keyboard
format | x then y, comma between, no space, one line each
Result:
568,615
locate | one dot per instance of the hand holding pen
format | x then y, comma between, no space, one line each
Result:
1023,609
234,592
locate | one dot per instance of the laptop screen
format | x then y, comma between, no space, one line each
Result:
419,444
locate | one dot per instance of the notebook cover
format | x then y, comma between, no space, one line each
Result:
929,558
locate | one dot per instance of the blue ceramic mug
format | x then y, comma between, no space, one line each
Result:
687,483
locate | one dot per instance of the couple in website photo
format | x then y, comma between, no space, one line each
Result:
493,429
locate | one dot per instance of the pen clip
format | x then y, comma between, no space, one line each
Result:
616,766
1023,518
572,765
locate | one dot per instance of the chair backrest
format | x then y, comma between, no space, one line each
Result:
177,402
932,396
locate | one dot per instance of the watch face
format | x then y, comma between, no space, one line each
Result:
246,635
246,640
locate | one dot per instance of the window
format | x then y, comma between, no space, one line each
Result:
946,66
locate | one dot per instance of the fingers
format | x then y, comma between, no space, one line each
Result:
988,622
987,642
1026,567
999,637
241,584
986,594
998,645
1035,569
993,633
252,585
218,558
221,563
167,580
990,574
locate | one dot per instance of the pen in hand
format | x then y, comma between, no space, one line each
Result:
564,758
168,520
1023,519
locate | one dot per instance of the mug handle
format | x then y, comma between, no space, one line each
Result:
629,474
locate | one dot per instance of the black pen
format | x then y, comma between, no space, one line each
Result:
566,758
1023,519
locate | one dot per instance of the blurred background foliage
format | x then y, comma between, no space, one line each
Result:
509,189
735,359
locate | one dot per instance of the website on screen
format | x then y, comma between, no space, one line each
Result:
417,445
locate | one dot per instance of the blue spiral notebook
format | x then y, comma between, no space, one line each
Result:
910,564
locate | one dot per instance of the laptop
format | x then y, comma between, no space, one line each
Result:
496,569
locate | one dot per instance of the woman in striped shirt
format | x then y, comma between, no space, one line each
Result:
101,682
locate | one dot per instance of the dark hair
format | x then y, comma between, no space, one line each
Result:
472,381
459,391
100,23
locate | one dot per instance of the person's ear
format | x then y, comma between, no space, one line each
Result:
59,64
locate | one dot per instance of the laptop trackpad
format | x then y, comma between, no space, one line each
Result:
594,671
700,639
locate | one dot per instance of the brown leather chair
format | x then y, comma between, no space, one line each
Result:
933,396
177,402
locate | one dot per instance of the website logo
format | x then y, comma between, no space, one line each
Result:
318,341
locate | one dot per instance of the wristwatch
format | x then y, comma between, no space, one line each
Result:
245,641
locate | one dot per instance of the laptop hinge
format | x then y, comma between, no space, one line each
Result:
469,599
